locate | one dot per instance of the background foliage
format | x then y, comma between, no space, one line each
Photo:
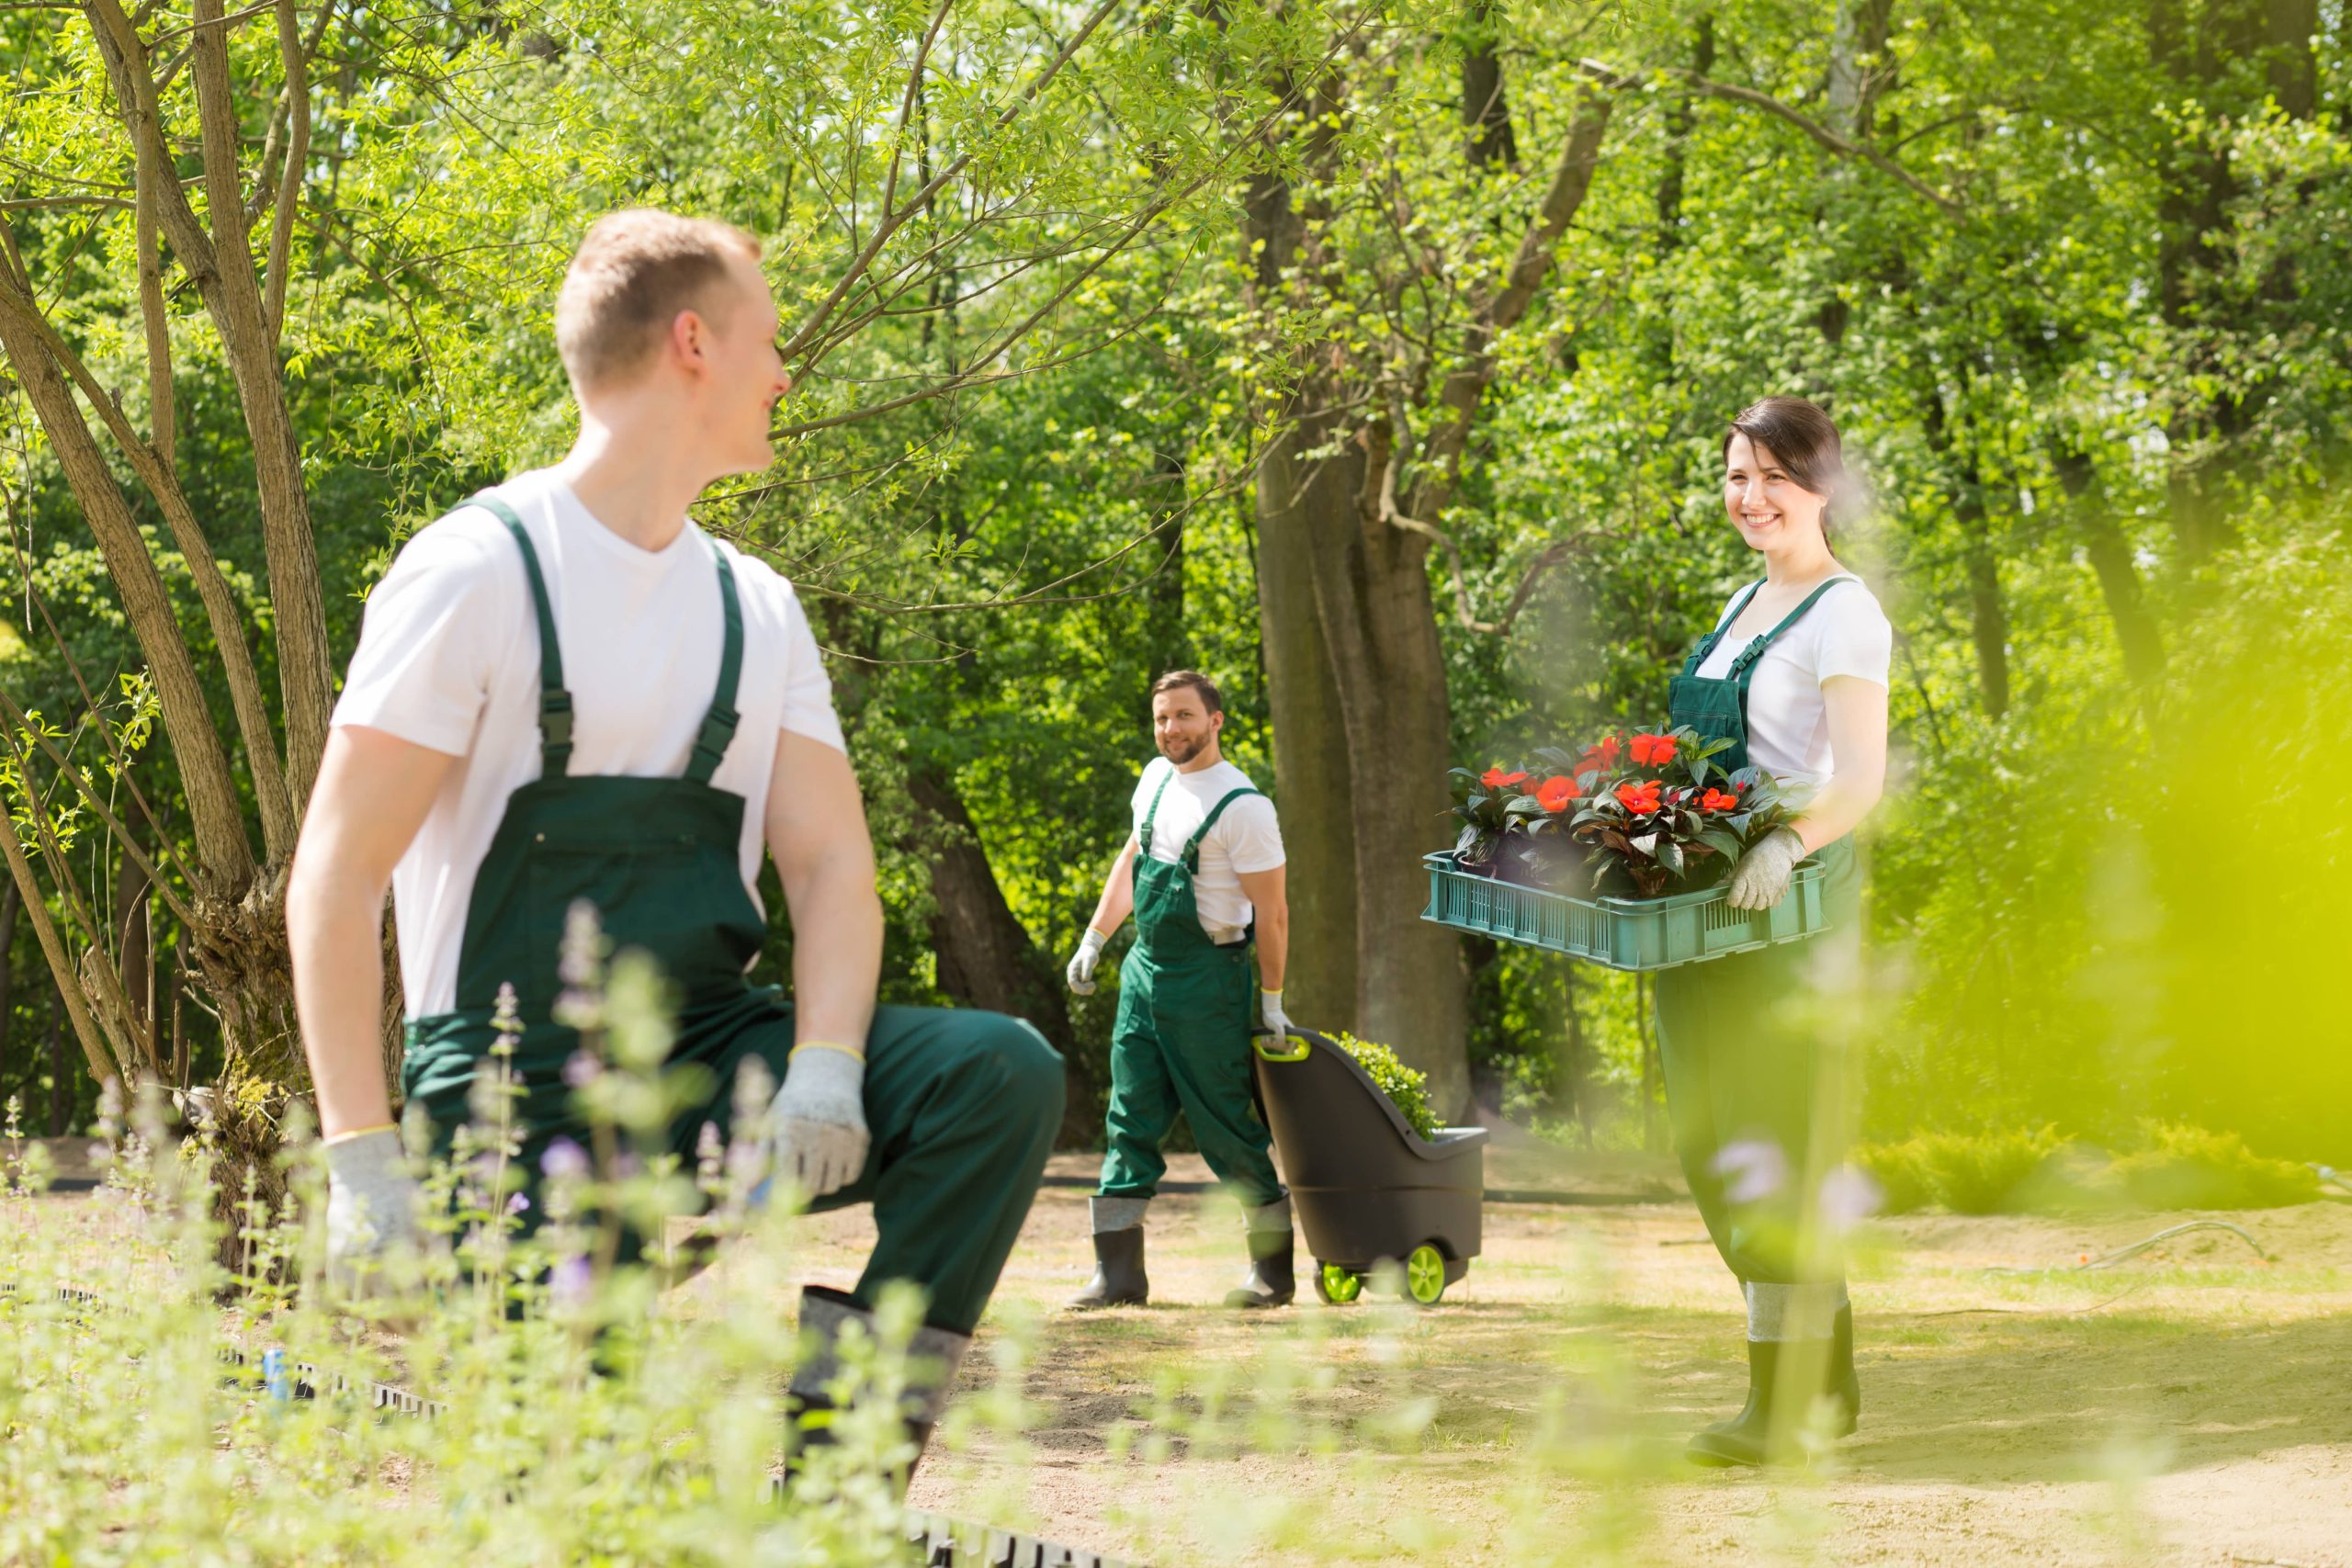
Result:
2064,272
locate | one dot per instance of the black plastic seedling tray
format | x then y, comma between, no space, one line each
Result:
1366,1188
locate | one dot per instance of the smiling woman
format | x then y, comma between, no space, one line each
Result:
1756,1066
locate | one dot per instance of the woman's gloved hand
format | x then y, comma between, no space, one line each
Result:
818,1121
1761,878
1081,966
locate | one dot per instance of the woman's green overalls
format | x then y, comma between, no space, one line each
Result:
1755,1086
1182,1036
962,1106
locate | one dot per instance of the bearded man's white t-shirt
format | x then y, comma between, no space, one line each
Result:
448,658
1845,633
1247,840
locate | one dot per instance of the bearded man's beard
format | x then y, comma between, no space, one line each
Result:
1180,751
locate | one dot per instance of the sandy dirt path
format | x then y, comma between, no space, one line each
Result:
2192,1406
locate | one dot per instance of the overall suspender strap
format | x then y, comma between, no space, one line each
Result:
1707,643
1191,856
1143,834
719,724
555,702
1741,666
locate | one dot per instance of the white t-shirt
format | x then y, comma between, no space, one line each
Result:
448,658
1247,840
1788,726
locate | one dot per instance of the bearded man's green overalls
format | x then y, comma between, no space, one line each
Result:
1181,1041
961,1106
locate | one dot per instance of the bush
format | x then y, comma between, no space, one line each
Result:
2178,1166
1406,1088
2188,1168
1967,1173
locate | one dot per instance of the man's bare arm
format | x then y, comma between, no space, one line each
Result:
373,792
1118,894
1270,898
824,857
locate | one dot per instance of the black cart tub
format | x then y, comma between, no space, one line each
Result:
1366,1188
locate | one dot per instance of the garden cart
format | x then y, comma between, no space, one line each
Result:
1367,1189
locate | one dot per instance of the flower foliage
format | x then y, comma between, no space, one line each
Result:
1648,813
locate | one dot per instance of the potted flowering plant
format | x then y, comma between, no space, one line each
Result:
1671,819
1492,807
1647,813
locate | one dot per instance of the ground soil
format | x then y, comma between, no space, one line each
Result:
2192,1404
2189,1405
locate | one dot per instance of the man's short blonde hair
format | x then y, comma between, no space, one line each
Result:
632,275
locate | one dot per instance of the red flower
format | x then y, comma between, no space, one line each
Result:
1716,800
1640,798
1653,750
1557,794
1494,778
1608,747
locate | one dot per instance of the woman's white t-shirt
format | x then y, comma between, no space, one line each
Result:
448,658
1247,840
1845,633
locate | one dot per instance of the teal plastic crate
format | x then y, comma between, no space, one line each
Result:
1621,933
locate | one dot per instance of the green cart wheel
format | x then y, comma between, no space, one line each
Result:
1425,1274
1337,1286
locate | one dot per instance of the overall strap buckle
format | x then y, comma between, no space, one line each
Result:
711,742
554,731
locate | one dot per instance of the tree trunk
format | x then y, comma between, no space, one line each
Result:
1312,765
1371,595
1988,617
1171,644
1486,113
135,960
986,956
2137,634
2196,50
58,1077
10,903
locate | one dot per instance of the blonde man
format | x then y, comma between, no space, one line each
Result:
567,692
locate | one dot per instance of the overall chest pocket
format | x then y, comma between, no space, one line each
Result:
677,898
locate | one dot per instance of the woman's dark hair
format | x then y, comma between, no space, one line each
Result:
1803,439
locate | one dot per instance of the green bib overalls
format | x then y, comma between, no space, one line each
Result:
1752,1081
1181,1041
962,1106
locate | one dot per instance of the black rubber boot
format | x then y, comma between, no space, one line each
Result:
1118,1272
1842,1381
934,1357
1272,1281
1746,1439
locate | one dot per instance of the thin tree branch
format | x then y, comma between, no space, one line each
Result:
891,221
1821,133
52,947
113,825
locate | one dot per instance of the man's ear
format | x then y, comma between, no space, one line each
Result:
689,339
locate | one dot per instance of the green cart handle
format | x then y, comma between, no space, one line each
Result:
1261,1038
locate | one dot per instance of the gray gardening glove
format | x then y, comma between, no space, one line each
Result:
1081,967
1270,1012
818,1123
372,1209
1761,878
